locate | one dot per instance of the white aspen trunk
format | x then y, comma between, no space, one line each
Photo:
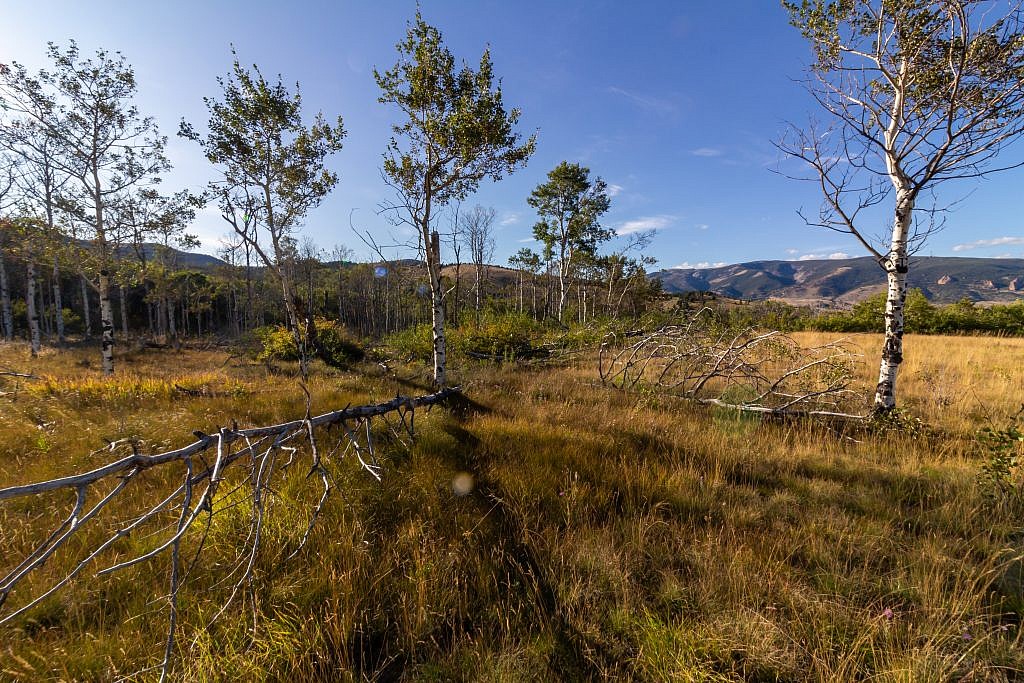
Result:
437,327
106,324
896,266
5,301
85,308
563,289
32,310
58,303
433,254
124,313
521,284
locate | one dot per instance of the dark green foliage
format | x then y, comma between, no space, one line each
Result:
257,136
455,125
570,206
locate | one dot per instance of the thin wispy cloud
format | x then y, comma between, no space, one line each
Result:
995,242
614,190
701,226
526,240
645,223
649,102
834,256
706,152
701,265
510,218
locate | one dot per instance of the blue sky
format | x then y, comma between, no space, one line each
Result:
675,104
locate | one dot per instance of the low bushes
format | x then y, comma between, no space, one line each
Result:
337,347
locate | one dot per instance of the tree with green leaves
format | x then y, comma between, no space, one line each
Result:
570,206
455,132
84,105
915,93
273,170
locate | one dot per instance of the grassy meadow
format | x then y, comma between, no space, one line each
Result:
607,536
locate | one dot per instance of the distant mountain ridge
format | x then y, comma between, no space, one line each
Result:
183,259
943,279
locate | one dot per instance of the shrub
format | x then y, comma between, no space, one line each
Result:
1003,448
412,342
336,344
499,337
277,343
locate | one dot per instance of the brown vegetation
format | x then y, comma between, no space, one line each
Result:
546,528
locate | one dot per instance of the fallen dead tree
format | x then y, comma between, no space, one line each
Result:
704,360
262,450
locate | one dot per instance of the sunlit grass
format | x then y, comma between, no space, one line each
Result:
607,535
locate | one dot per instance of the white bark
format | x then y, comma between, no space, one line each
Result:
5,301
563,282
437,323
106,324
32,311
896,266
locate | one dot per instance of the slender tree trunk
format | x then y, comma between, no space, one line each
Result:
86,318
433,254
533,295
563,289
479,280
248,290
5,301
32,309
106,324
43,308
58,303
172,328
124,312
236,314
521,284
458,291
896,267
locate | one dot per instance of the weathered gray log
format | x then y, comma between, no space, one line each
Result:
139,461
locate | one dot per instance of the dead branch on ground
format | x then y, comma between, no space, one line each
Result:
704,360
253,454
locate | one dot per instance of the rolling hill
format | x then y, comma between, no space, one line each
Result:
943,279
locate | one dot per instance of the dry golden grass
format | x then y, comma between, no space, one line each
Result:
956,382
608,536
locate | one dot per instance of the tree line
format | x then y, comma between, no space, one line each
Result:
92,245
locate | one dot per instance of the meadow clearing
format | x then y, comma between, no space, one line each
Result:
607,535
